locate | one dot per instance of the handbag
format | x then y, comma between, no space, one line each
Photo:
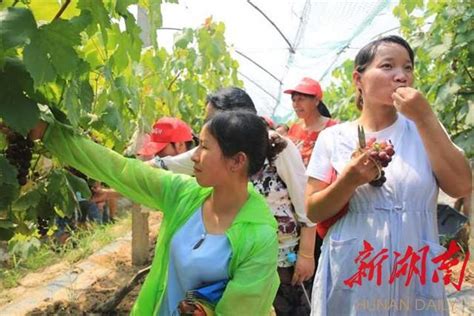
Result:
202,301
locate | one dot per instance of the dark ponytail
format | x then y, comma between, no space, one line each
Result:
323,109
276,144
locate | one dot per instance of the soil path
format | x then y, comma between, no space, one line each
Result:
78,289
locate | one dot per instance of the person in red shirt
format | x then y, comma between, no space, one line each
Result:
312,113
313,117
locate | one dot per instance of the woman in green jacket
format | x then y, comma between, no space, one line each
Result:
216,229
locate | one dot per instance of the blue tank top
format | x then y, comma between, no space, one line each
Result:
196,259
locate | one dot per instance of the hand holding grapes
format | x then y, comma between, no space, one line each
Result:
380,153
361,169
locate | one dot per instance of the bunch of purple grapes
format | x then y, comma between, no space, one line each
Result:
382,154
19,155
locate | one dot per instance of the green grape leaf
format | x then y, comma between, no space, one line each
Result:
19,78
465,140
3,141
27,201
133,38
59,37
78,97
184,38
113,119
36,59
86,95
82,21
6,234
59,193
16,108
51,51
43,208
121,6
79,185
16,26
8,172
120,56
99,14
64,33
8,193
7,224
19,112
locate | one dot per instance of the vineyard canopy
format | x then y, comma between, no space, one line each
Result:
278,42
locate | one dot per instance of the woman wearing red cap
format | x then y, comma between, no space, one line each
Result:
313,114
314,117
378,259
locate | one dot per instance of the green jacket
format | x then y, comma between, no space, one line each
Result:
253,234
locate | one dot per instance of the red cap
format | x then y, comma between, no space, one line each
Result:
307,86
166,130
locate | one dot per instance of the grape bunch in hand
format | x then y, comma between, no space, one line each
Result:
379,152
18,154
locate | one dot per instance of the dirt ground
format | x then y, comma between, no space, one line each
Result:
85,302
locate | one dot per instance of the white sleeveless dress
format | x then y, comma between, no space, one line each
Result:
399,214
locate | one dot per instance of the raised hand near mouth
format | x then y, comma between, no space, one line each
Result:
412,104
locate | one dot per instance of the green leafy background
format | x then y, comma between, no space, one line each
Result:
90,67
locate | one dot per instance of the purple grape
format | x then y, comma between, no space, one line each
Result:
18,154
383,156
390,151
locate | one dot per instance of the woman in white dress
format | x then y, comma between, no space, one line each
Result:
382,223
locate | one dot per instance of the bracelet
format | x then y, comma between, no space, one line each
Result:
306,256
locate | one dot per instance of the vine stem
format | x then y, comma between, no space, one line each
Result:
174,79
36,163
61,97
468,73
61,10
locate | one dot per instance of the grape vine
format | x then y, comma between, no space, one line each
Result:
86,62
